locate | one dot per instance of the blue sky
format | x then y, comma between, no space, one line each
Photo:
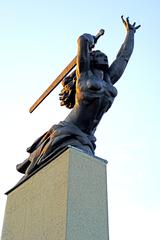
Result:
38,39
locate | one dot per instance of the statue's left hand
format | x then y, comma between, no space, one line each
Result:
128,25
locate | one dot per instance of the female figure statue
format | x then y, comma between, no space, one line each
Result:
89,92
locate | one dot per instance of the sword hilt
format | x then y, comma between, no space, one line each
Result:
99,34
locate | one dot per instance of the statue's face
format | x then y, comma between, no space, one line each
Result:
100,61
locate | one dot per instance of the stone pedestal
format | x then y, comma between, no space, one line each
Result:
64,200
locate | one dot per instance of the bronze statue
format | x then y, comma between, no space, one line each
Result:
89,92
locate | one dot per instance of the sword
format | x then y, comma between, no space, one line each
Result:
60,77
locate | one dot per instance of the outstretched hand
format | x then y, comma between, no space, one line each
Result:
128,25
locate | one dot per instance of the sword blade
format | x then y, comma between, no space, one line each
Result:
54,84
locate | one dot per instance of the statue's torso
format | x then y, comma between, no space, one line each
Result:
94,96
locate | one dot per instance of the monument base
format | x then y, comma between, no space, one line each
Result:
64,200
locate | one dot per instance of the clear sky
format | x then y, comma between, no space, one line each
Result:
38,39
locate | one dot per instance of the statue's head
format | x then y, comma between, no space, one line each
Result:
99,60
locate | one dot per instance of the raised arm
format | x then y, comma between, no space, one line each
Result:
118,66
85,44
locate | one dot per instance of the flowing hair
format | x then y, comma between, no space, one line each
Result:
67,94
